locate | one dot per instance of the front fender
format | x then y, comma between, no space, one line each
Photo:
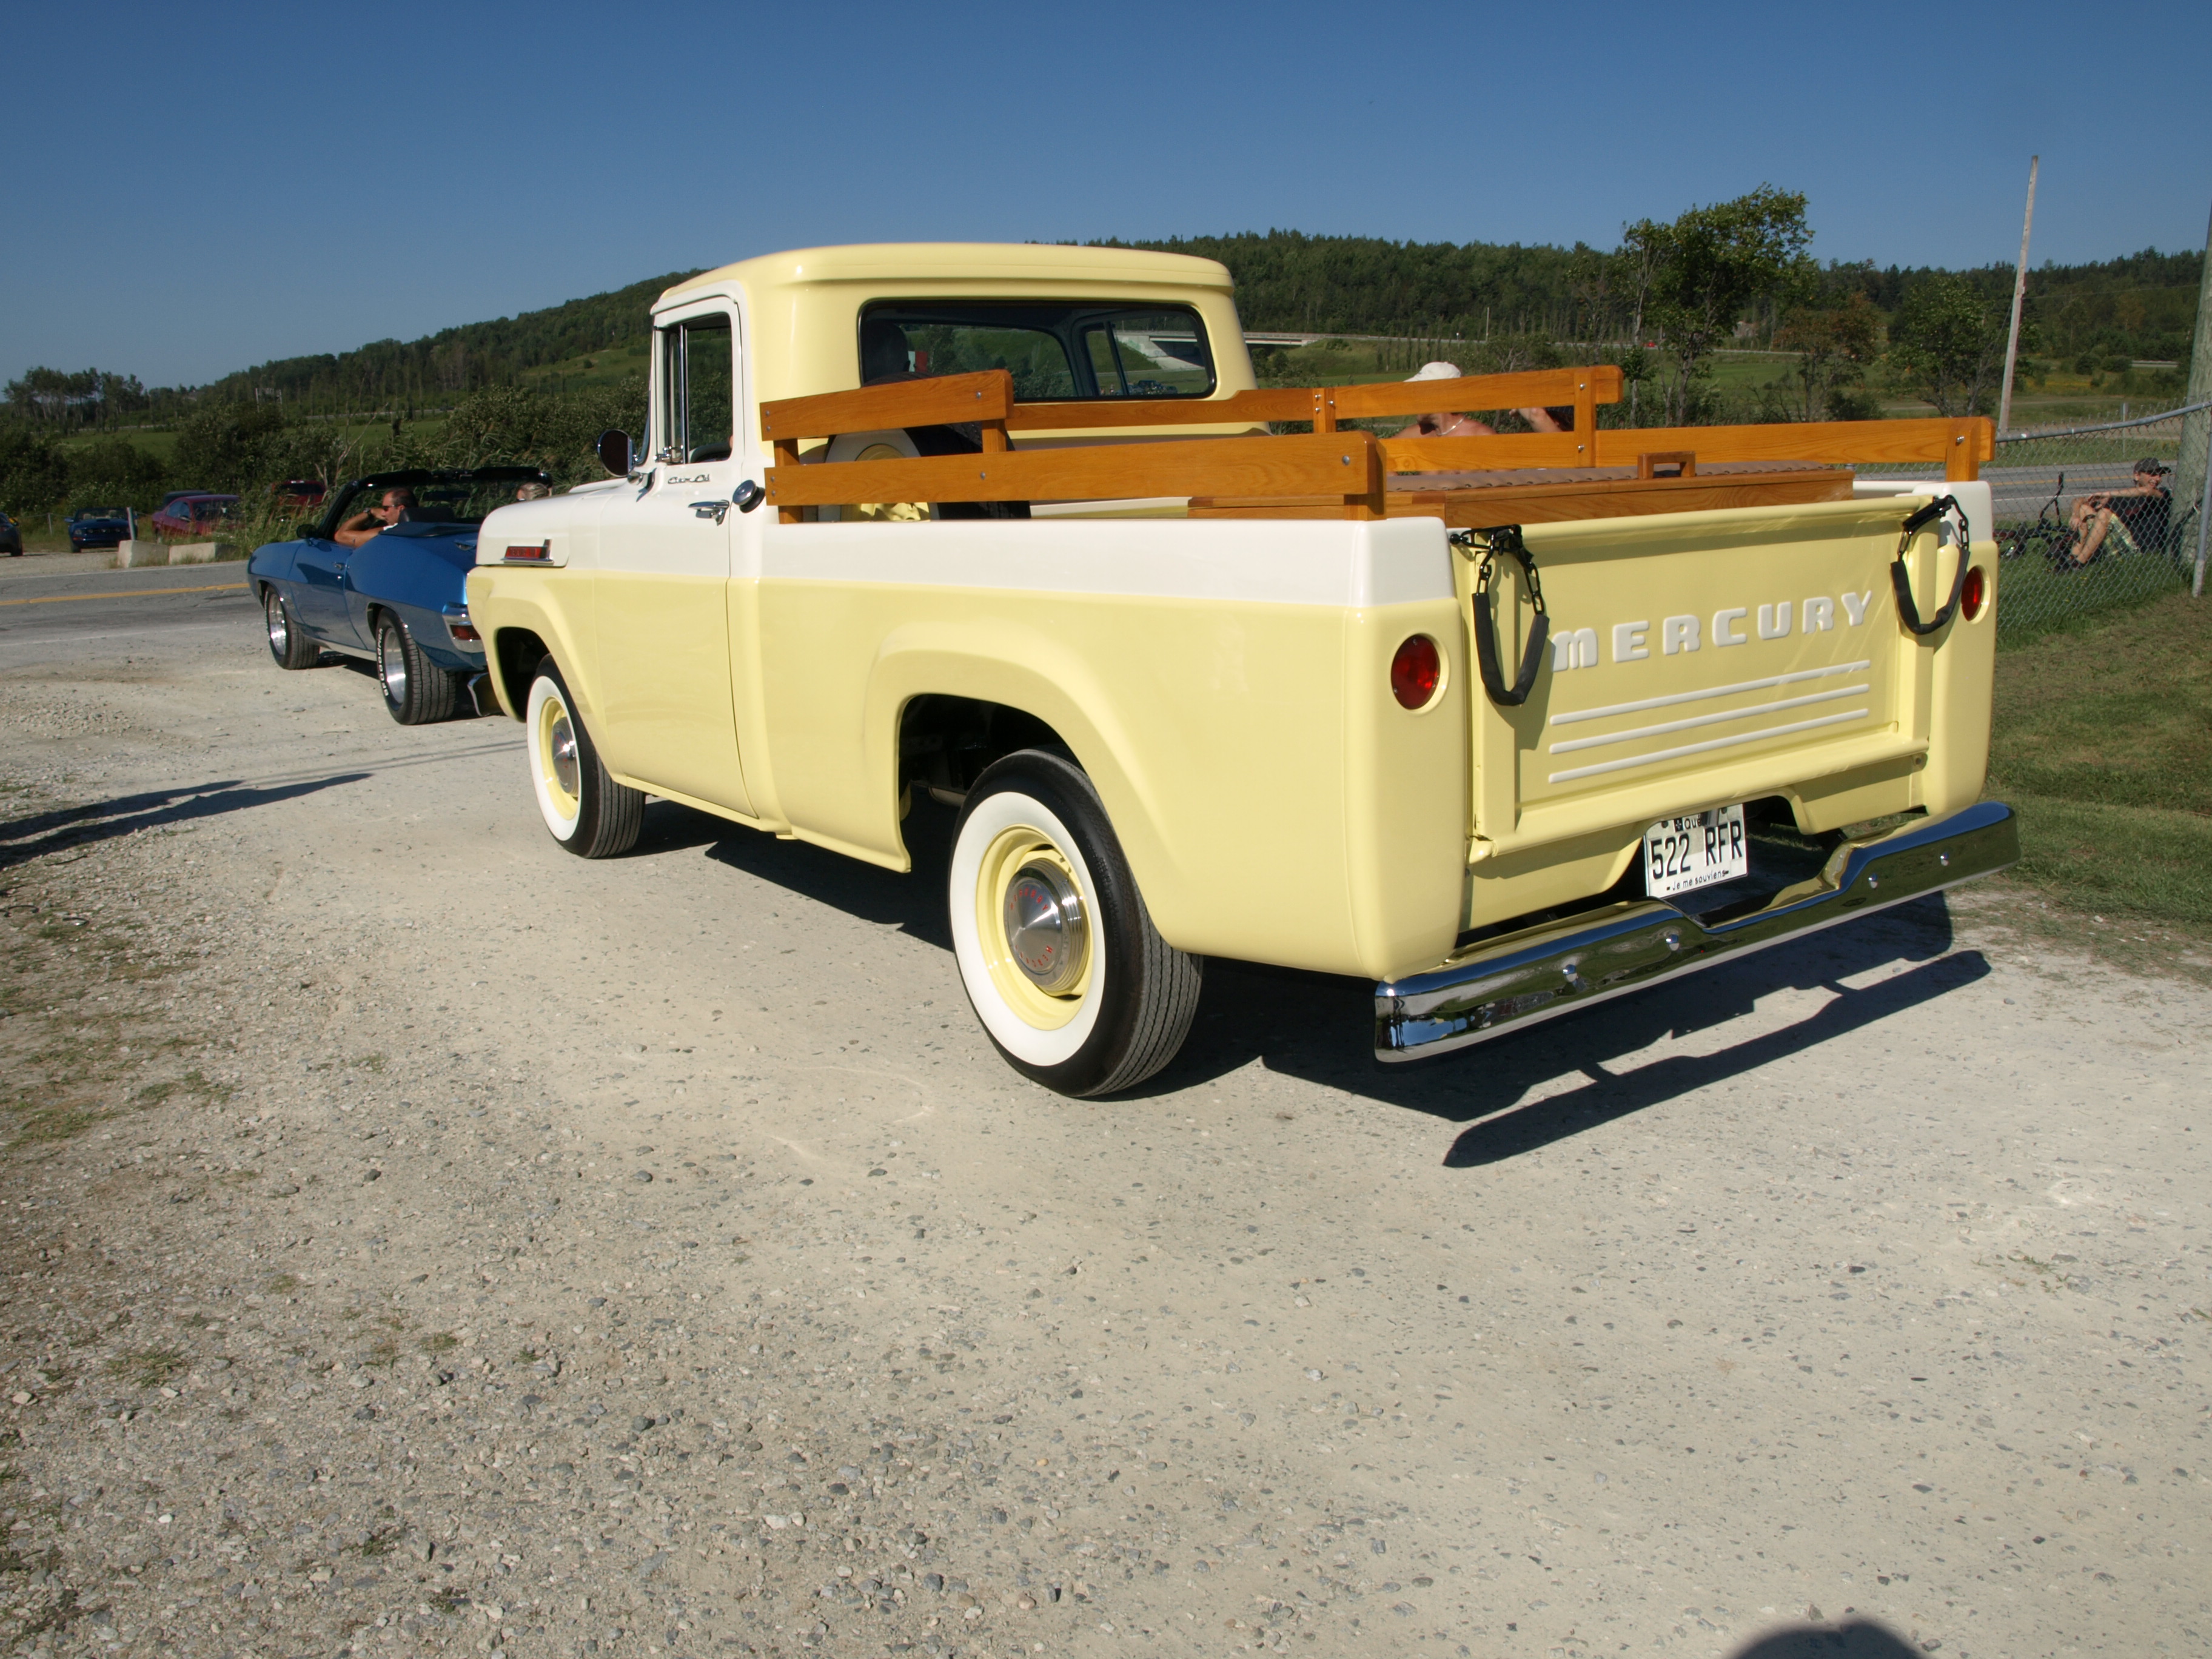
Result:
552,606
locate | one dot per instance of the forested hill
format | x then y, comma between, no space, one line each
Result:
393,373
1288,280
2140,306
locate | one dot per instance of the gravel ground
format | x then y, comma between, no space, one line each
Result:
416,1238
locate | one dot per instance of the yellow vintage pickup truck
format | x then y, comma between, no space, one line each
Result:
1506,725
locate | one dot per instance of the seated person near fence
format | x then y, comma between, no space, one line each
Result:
2127,520
366,527
1444,424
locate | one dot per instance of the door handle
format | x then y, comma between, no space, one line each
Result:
715,510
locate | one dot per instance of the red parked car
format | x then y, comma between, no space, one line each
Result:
300,492
193,518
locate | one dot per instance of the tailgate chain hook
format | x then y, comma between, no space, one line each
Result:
1900,578
1504,539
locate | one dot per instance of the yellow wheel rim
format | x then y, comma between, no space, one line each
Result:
557,756
1002,860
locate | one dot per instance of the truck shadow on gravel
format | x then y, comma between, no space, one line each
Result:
1319,1027
41,833
1856,1638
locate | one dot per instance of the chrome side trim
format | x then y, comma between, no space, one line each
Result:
1557,968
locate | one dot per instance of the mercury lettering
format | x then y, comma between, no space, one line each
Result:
1577,647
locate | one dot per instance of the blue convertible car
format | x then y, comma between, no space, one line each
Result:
382,577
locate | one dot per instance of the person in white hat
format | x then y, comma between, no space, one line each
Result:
1444,424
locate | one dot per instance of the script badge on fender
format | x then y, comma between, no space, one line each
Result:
1681,854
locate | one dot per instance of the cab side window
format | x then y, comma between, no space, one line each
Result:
698,408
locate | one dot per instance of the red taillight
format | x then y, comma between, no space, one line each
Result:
462,632
536,554
1415,671
1973,594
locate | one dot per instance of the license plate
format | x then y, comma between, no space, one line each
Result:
1681,854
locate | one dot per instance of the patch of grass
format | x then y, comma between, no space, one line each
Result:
441,1342
149,1368
368,1063
283,1284
2102,739
2033,599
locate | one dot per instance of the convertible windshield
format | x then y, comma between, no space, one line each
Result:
1054,350
438,498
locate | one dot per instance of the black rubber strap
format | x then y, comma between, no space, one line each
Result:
1901,579
1505,539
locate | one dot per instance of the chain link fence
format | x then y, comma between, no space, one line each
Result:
2034,481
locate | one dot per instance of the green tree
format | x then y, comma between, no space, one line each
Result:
34,474
229,446
115,472
1834,343
517,426
1947,342
1696,276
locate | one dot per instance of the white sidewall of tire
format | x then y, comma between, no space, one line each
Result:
1007,810
563,827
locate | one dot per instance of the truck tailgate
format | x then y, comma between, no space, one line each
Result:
1700,660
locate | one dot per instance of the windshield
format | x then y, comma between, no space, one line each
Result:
1053,350
443,498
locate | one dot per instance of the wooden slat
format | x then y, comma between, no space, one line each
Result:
1501,453
1531,387
1274,403
942,400
1553,503
1345,466
1951,444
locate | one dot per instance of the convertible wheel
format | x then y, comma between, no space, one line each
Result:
287,642
588,812
1056,950
416,692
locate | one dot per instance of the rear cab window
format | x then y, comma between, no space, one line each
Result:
1055,350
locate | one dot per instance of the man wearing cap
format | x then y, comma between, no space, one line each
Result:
2129,520
1445,424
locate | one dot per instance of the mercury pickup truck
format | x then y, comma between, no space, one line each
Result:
1505,725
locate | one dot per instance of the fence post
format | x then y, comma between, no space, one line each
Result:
2203,523
2194,476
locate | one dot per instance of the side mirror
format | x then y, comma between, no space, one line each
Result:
307,530
614,451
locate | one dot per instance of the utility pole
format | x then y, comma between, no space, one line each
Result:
2018,298
2194,481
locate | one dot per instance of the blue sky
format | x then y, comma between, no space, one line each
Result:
191,189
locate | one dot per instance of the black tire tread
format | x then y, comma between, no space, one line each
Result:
1172,981
429,688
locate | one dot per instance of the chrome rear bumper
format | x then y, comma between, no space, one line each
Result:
1562,966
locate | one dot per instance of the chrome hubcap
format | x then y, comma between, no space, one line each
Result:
279,636
1046,928
564,744
393,661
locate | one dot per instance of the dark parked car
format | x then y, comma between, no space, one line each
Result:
399,599
193,518
11,536
98,526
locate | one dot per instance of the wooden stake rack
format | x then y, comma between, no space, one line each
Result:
1335,471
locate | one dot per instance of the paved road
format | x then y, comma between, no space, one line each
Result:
652,1253
41,607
